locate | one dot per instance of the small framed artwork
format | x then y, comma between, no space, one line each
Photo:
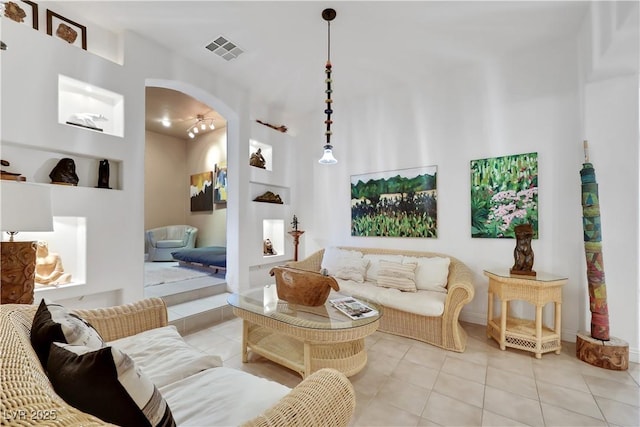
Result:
201,192
220,186
66,29
398,203
24,12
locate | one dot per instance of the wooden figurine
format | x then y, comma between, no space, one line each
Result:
523,253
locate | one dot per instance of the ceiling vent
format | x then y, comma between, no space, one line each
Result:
224,48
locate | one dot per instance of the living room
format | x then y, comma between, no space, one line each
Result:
574,78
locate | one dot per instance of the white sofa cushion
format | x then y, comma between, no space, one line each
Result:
332,257
374,264
397,276
351,269
425,303
164,356
236,397
432,273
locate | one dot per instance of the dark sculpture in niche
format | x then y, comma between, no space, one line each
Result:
257,159
103,174
523,253
64,172
269,197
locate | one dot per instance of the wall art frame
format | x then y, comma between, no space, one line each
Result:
201,192
504,194
397,203
220,186
65,29
13,11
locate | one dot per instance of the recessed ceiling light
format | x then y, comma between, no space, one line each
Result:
166,122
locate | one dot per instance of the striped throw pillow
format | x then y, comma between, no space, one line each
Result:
397,275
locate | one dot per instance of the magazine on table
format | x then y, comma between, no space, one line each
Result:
353,308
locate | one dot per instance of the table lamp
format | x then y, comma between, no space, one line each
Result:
25,207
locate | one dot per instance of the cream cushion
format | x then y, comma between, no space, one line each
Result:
351,269
164,356
425,303
432,273
194,402
333,256
374,264
397,276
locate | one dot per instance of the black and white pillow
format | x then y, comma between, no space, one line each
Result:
106,383
54,323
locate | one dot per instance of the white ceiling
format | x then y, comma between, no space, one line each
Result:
374,44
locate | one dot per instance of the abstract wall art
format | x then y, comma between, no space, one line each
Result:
201,191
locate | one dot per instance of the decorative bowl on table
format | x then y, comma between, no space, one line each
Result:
303,287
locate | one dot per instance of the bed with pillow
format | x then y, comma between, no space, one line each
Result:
209,257
421,293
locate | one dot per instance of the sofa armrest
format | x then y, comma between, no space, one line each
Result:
310,263
125,320
325,398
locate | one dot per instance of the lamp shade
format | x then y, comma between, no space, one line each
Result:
25,207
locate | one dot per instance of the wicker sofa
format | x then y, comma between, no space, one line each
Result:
26,394
444,330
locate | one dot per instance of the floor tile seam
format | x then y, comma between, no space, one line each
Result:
597,394
576,412
613,382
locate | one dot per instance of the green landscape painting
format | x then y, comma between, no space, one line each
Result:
504,193
401,203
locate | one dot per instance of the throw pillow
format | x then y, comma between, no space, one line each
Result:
351,269
374,264
54,323
332,256
397,275
432,273
106,383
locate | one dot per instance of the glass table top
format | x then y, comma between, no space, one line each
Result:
265,302
539,277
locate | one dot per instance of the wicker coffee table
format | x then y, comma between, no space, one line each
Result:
304,339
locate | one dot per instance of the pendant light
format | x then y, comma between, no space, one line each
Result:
327,157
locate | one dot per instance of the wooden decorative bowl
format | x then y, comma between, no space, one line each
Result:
303,287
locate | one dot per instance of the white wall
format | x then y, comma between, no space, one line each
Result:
114,218
530,101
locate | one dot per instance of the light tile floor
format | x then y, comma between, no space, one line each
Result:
409,383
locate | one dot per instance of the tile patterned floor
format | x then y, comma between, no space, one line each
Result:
409,383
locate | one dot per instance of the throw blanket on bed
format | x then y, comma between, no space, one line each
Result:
210,256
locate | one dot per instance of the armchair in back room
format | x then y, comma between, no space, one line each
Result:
162,241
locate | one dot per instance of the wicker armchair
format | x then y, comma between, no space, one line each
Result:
442,331
324,398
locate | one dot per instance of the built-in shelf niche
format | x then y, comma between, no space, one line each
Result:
273,229
265,149
69,240
36,163
258,189
78,99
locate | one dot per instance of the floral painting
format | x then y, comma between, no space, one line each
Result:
401,203
504,193
201,191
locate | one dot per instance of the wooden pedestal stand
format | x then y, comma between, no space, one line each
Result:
612,354
296,240
18,272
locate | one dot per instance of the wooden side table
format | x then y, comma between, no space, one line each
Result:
524,334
